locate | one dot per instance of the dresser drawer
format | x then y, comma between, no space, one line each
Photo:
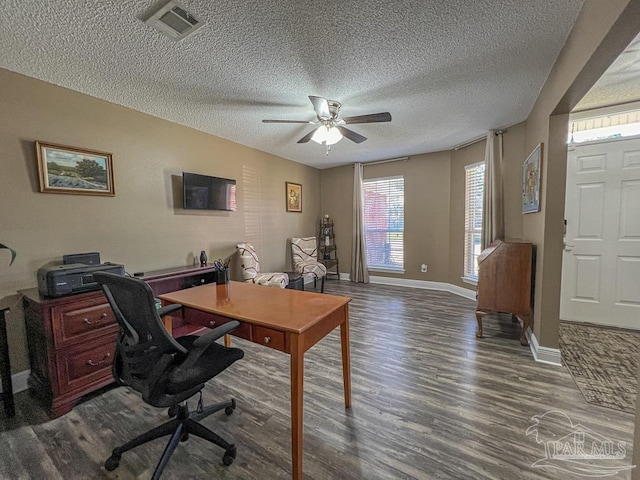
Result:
269,338
86,364
82,321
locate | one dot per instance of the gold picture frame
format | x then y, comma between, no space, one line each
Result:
531,181
293,196
72,170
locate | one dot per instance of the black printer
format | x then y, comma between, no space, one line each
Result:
66,279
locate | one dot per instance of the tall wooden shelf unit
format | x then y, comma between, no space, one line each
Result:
327,250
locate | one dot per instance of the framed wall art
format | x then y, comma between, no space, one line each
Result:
78,171
294,197
531,181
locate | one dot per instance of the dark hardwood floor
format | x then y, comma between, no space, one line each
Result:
429,401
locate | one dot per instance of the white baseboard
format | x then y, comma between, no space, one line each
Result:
19,381
551,356
441,286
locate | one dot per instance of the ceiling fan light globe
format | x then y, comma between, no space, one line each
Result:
327,135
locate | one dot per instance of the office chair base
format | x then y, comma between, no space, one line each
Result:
183,424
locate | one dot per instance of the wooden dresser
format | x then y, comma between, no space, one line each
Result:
505,283
71,339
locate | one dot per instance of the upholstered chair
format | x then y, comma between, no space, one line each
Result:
251,269
304,254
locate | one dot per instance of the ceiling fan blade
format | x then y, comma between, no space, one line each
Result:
371,118
321,106
286,121
307,137
351,135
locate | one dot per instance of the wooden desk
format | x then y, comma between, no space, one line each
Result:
290,321
71,339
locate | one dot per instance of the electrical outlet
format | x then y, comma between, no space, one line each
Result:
423,268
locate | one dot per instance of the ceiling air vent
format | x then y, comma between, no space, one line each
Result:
174,21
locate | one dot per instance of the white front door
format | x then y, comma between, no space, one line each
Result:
601,262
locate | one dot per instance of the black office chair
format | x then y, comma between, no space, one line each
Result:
164,370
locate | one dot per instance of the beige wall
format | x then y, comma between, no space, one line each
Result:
426,231
584,47
434,206
143,226
460,159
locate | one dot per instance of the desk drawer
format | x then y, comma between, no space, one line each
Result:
82,321
211,320
82,365
269,338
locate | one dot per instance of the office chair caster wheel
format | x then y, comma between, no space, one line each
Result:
173,411
112,463
229,410
184,437
229,455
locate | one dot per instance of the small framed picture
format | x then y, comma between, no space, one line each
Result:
293,197
531,181
77,171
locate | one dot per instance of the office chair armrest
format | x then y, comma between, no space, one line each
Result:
168,309
215,334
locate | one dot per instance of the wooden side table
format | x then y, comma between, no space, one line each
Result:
5,367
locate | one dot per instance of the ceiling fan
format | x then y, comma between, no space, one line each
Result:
331,129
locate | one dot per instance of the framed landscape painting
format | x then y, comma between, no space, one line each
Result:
531,181
294,197
63,169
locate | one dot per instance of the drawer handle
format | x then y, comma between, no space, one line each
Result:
95,364
267,339
101,317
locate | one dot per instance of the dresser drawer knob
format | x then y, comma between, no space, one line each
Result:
101,317
104,359
267,339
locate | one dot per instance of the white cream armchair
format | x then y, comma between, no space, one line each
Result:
304,253
251,269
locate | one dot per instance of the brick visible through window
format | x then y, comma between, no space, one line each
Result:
384,222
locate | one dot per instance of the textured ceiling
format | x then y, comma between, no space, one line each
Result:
619,84
446,70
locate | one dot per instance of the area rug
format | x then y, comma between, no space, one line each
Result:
603,362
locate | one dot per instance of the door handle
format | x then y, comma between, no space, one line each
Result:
567,247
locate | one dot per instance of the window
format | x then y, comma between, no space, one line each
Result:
384,223
613,125
473,196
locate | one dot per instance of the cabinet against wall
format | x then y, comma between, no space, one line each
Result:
327,250
71,339
505,280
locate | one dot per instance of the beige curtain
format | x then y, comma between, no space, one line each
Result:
359,271
493,208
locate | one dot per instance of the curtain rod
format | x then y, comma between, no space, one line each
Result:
476,140
378,162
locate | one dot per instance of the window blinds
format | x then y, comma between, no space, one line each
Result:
384,222
473,197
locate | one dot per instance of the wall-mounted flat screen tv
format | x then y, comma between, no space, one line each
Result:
202,192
